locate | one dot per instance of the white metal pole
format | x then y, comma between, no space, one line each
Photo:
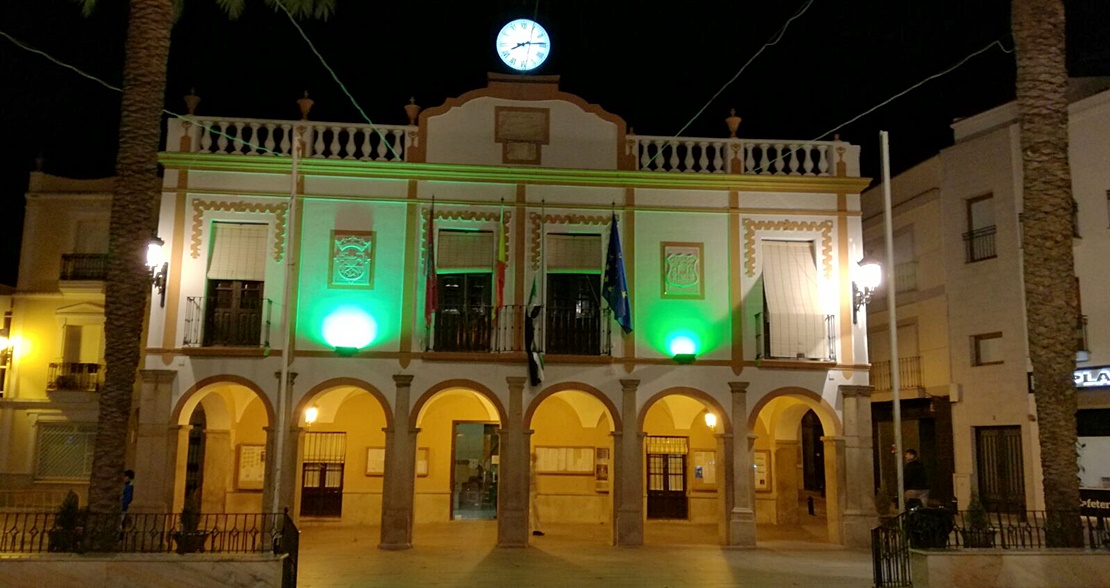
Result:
892,319
287,329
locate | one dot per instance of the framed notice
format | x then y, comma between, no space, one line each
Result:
252,467
705,470
565,460
681,269
422,461
375,461
601,469
762,462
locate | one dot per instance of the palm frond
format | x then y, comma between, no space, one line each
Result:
233,8
317,9
87,6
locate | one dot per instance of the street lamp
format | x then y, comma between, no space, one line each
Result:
868,278
158,266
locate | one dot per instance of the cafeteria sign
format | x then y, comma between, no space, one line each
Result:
1096,377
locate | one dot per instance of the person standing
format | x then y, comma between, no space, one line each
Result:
533,504
915,480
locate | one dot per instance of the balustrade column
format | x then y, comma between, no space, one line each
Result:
512,486
398,482
740,487
628,474
156,448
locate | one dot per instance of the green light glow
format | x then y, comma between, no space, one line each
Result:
682,343
350,326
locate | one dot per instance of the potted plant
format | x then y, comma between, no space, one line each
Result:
977,530
190,539
65,535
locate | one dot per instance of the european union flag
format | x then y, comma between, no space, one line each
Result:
616,283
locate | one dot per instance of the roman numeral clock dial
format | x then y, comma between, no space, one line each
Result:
523,44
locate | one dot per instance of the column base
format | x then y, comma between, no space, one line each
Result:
396,530
857,529
629,528
512,529
741,530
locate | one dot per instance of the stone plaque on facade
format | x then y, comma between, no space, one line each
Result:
681,265
352,259
521,132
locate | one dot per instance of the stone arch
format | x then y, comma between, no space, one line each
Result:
696,394
471,385
825,411
332,383
187,399
546,393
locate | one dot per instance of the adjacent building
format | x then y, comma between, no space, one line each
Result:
688,303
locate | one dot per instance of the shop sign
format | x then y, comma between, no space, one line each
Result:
1096,377
1094,502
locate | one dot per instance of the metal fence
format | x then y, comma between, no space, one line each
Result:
936,528
84,266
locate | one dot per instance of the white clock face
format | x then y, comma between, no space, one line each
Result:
523,44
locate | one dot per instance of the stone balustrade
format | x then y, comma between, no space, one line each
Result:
323,140
742,156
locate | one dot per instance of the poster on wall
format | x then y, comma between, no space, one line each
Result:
375,461
705,470
601,469
762,466
252,467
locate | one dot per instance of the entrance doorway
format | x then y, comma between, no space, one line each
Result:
813,454
475,459
1000,468
322,474
194,456
666,474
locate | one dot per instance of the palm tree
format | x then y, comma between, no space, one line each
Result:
134,218
1050,288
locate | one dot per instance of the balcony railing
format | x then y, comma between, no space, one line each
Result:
905,277
909,374
763,339
81,377
473,329
1081,341
207,325
980,244
364,142
573,331
84,266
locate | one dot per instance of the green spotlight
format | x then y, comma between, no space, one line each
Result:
349,329
683,347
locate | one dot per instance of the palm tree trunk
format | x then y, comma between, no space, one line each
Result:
134,207
1050,290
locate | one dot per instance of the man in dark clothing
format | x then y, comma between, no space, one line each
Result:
128,489
917,485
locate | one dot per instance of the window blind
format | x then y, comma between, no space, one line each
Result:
238,252
793,305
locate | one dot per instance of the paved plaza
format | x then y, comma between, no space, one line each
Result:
676,555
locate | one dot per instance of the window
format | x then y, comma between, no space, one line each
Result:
573,315
465,290
236,279
80,365
979,237
65,451
987,349
905,263
794,324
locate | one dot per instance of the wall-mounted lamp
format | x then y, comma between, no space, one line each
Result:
868,277
311,414
346,351
711,421
159,267
683,349
5,348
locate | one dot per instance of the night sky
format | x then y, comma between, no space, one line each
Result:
654,64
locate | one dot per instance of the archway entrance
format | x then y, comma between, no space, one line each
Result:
457,458
684,476
791,478
222,464
572,470
342,456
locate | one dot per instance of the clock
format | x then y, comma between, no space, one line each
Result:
523,44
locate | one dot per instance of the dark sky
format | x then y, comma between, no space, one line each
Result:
653,63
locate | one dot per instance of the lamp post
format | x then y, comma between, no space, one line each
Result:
892,320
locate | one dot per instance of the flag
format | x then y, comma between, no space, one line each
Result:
502,264
531,335
615,287
430,298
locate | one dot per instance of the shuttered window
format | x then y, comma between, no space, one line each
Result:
574,253
65,451
238,252
461,251
797,325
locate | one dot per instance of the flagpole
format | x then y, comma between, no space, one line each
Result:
543,275
287,331
892,320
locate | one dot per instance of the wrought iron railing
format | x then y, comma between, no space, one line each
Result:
1081,334
980,244
573,331
82,377
936,528
763,339
209,326
84,266
474,328
909,374
150,533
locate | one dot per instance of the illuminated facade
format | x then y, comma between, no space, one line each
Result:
400,410
961,316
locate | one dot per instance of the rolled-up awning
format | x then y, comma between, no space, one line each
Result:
797,324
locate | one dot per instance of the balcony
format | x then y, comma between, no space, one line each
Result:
1082,345
909,374
75,377
763,340
577,331
980,244
567,331
364,142
208,324
84,266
